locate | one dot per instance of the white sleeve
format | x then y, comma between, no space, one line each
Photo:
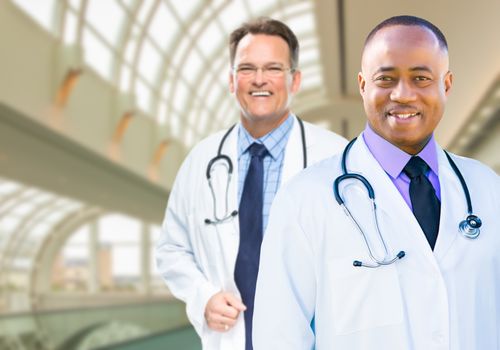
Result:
285,293
174,253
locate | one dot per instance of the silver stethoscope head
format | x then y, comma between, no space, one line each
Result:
470,227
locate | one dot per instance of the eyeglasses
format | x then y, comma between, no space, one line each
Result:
272,71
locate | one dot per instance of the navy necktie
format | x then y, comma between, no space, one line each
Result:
250,217
426,205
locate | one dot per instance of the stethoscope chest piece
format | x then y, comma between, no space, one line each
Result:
470,227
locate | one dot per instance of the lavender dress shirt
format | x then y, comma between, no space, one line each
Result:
393,160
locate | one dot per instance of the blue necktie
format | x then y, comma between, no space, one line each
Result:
426,205
250,217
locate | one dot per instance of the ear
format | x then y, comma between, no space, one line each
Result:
448,82
296,80
361,83
231,81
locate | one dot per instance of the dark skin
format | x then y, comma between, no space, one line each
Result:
404,83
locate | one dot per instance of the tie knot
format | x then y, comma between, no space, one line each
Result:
257,150
416,166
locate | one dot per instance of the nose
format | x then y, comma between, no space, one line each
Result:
403,92
259,77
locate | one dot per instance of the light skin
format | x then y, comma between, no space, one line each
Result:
262,113
222,311
404,82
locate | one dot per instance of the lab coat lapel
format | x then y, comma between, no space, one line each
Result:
293,160
453,206
407,234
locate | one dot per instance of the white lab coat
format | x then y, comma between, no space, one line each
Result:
446,299
197,260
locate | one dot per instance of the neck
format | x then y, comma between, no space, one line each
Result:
259,128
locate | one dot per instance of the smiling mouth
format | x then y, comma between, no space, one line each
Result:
403,116
260,93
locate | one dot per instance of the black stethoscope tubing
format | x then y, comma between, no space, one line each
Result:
223,157
470,227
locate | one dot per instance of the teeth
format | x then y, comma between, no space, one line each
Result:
404,115
261,93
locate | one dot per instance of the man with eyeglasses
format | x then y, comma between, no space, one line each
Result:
209,252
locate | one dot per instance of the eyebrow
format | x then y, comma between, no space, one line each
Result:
412,69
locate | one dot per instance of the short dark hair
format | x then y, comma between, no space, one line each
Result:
409,21
267,26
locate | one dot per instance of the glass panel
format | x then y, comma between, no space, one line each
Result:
22,209
145,8
143,94
162,113
210,39
212,96
131,49
188,139
175,124
302,24
129,3
75,4
125,78
119,253
184,8
42,11
309,56
179,52
8,187
259,7
9,223
232,16
181,96
96,54
71,269
70,28
149,62
163,27
106,17
311,80
191,68
119,228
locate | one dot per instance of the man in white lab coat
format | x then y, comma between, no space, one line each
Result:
422,283
209,249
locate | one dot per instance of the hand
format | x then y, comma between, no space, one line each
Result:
222,311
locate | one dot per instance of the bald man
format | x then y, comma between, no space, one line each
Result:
424,272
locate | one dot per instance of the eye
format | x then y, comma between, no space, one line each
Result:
422,78
384,78
246,69
275,69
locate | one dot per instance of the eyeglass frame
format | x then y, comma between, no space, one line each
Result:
251,70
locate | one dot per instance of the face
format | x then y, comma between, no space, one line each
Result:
263,98
404,83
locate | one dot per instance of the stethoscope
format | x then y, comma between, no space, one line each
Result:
225,161
469,228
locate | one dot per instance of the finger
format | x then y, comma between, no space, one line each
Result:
235,302
221,319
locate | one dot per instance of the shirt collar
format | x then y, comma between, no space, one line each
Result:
393,159
272,140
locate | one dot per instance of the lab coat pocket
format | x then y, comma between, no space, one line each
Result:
364,298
